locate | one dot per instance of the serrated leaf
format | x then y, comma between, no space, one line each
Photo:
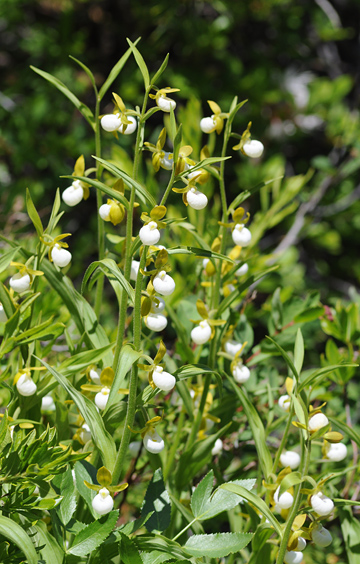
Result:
93,535
217,545
157,500
129,552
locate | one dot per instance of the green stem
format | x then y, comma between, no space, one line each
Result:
131,408
168,188
305,451
185,529
99,201
174,446
283,440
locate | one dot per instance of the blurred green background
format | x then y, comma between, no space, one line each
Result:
296,62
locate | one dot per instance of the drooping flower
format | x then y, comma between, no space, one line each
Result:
47,403
336,452
149,233
283,501
321,536
241,235
201,334
122,120
112,211
290,458
244,268
103,502
317,421
158,377
240,372
57,249
102,397
79,189
217,448
24,383
284,402
162,100
249,147
153,442
293,557
155,321
216,121
301,545
22,281
205,330
163,283
321,504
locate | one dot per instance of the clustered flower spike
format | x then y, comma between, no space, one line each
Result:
121,120
57,249
216,121
22,281
79,189
163,101
158,377
249,147
103,502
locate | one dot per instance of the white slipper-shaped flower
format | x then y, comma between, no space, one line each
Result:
201,334
317,421
103,502
73,194
165,104
208,124
26,386
196,200
291,459
284,402
253,148
244,268
166,162
130,127
321,537
135,265
321,504
95,376
241,235
20,282
85,433
241,373
104,212
149,233
47,403
162,379
102,397
157,306
283,501
153,442
111,122
155,321
336,452
232,347
60,256
163,283
217,448
293,557
301,545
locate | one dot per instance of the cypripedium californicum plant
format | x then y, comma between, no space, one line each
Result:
249,147
24,383
103,388
22,281
216,121
162,100
205,329
57,249
158,377
78,190
151,439
103,502
121,120
160,158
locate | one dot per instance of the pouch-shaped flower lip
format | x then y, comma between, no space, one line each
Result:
155,321
61,257
163,283
253,148
103,502
72,195
201,334
241,235
149,233
20,282
153,442
163,380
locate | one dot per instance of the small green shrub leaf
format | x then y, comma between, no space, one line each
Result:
89,538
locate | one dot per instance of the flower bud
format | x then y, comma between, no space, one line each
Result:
336,452
321,536
104,212
153,442
3,316
208,124
103,502
158,307
196,200
293,557
73,194
167,163
20,282
202,333
253,148
85,433
102,397
321,504
244,268
217,448
301,545
290,458
284,501
232,347
284,402
111,122
241,235
149,233
25,386
165,103
60,256
241,373
163,380
317,421
135,265
155,322
47,403
130,128
163,284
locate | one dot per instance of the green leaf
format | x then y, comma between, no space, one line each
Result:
103,440
318,375
141,191
115,71
309,314
7,257
107,266
209,254
128,356
141,63
205,506
82,360
161,70
257,428
299,351
67,506
16,534
93,535
256,501
348,431
87,70
84,471
247,193
129,552
157,500
83,109
133,526
187,514
42,331
286,357
217,545
33,214
51,551
5,299
350,528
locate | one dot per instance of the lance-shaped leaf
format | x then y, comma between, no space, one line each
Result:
217,545
13,532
